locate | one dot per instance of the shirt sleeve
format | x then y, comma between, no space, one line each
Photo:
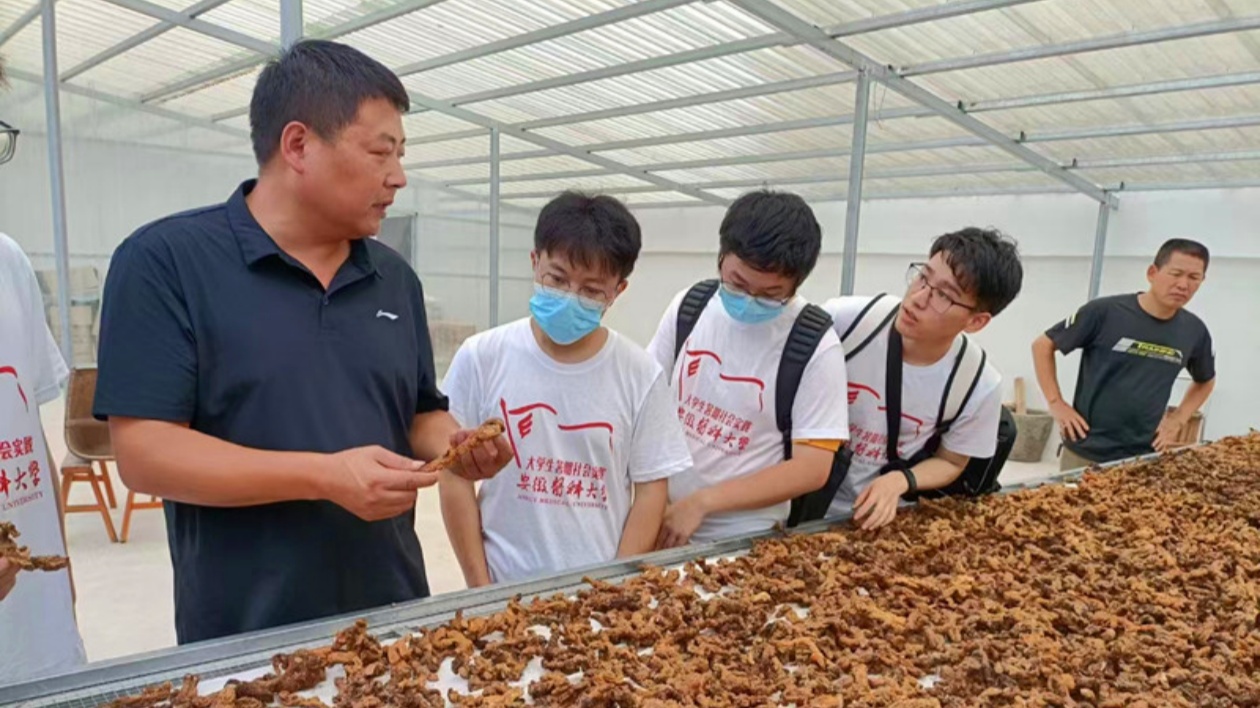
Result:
974,434
1080,329
148,351
428,397
661,348
51,371
658,447
1202,364
463,386
821,409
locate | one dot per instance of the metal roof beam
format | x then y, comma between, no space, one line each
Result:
900,19
1112,92
581,24
1094,44
999,192
137,39
768,89
562,148
175,17
184,118
1128,91
940,144
21,23
240,66
789,22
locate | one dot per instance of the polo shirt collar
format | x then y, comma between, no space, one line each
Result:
256,244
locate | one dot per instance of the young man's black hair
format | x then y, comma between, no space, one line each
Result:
591,231
320,84
1194,249
774,232
986,264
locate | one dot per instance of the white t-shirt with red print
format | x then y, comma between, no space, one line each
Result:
581,435
723,386
974,433
38,634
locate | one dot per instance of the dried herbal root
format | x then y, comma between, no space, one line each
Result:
21,555
1140,586
488,431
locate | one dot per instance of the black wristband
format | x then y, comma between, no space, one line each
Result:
911,482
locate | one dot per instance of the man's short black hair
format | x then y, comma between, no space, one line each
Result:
320,84
592,231
1194,249
986,264
774,232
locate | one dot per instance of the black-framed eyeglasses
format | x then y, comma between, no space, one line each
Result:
939,300
8,141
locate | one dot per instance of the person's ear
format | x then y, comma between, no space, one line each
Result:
977,322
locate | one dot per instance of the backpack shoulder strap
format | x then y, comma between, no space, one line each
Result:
807,331
963,378
693,303
872,320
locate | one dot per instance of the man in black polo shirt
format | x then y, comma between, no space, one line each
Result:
1134,346
267,369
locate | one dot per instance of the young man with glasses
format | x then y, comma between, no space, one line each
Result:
969,278
724,375
589,418
37,624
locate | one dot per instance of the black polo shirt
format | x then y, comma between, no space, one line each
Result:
207,322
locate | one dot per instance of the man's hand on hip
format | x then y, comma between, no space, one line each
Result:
373,483
1072,425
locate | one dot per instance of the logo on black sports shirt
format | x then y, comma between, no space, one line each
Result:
1149,351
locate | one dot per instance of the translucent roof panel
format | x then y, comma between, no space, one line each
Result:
256,18
681,55
1160,108
1200,56
427,123
796,105
1134,146
448,174
84,28
455,25
158,62
796,140
218,98
468,147
693,78
680,29
1025,25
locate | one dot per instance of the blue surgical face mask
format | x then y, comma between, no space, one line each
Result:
564,317
745,308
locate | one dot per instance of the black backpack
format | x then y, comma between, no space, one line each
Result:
980,475
807,331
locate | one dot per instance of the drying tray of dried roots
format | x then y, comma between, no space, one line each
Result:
1137,585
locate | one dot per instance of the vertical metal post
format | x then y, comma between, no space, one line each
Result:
1100,246
853,205
291,22
56,173
494,227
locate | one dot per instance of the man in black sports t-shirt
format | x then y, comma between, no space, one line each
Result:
1134,346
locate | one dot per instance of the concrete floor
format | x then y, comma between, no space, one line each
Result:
125,604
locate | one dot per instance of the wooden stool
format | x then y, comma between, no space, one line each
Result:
132,505
76,469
